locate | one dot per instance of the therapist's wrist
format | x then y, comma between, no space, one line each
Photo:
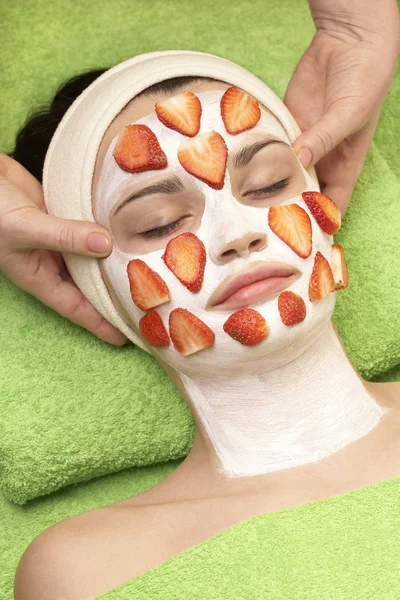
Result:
370,21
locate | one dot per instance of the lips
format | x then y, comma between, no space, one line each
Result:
253,284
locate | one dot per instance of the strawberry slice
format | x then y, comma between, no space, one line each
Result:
339,267
138,150
239,111
292,225
185,255
247,326
324,210
188,333
205,156
321,280
181,112
148,289
153,330
292,308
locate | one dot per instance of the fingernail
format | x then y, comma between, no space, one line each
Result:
97,242
305,156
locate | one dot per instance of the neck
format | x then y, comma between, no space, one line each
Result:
298,413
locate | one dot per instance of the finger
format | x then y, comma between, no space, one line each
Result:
36,229
32,228
61,294
337,175
336,124
339,170
16,174
340,194
69,302
39,273
77,308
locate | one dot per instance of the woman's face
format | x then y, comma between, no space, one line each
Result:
233,229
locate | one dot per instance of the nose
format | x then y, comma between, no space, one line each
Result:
242,246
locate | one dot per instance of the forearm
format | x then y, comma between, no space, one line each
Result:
361,19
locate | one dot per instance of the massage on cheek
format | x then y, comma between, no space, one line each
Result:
219,192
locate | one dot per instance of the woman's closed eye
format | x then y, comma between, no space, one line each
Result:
150,222
163,230
269,190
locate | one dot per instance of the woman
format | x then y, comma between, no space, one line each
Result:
224,268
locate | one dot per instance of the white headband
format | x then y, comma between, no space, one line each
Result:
70,159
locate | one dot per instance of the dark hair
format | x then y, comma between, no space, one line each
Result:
34,136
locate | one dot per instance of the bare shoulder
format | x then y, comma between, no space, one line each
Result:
41,571
78,558
92,553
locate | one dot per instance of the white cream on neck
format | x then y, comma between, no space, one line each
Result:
295,414
292,399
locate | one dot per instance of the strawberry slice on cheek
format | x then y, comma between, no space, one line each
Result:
339,267
152,329
147,288
292,225
324,210
292,308
185,256
321,280
247,326
189,334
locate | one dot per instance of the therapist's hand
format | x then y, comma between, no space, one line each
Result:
338,88
30,245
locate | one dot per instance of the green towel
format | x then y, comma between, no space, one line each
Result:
342,548
73,408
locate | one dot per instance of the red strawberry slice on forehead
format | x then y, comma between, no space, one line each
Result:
239,111
153,330
321,280
292,308
185,255
247,326
339,267
324,210
137,149
205,157
189,334
147,288
181,113
292,225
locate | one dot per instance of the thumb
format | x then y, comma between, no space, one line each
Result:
336,124
34,228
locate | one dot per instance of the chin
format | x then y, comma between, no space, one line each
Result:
229,358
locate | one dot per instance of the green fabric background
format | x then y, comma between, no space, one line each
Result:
53,370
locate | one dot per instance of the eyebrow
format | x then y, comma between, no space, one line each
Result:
244,156
173,184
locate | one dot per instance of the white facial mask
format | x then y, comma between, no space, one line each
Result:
294,397
224,219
